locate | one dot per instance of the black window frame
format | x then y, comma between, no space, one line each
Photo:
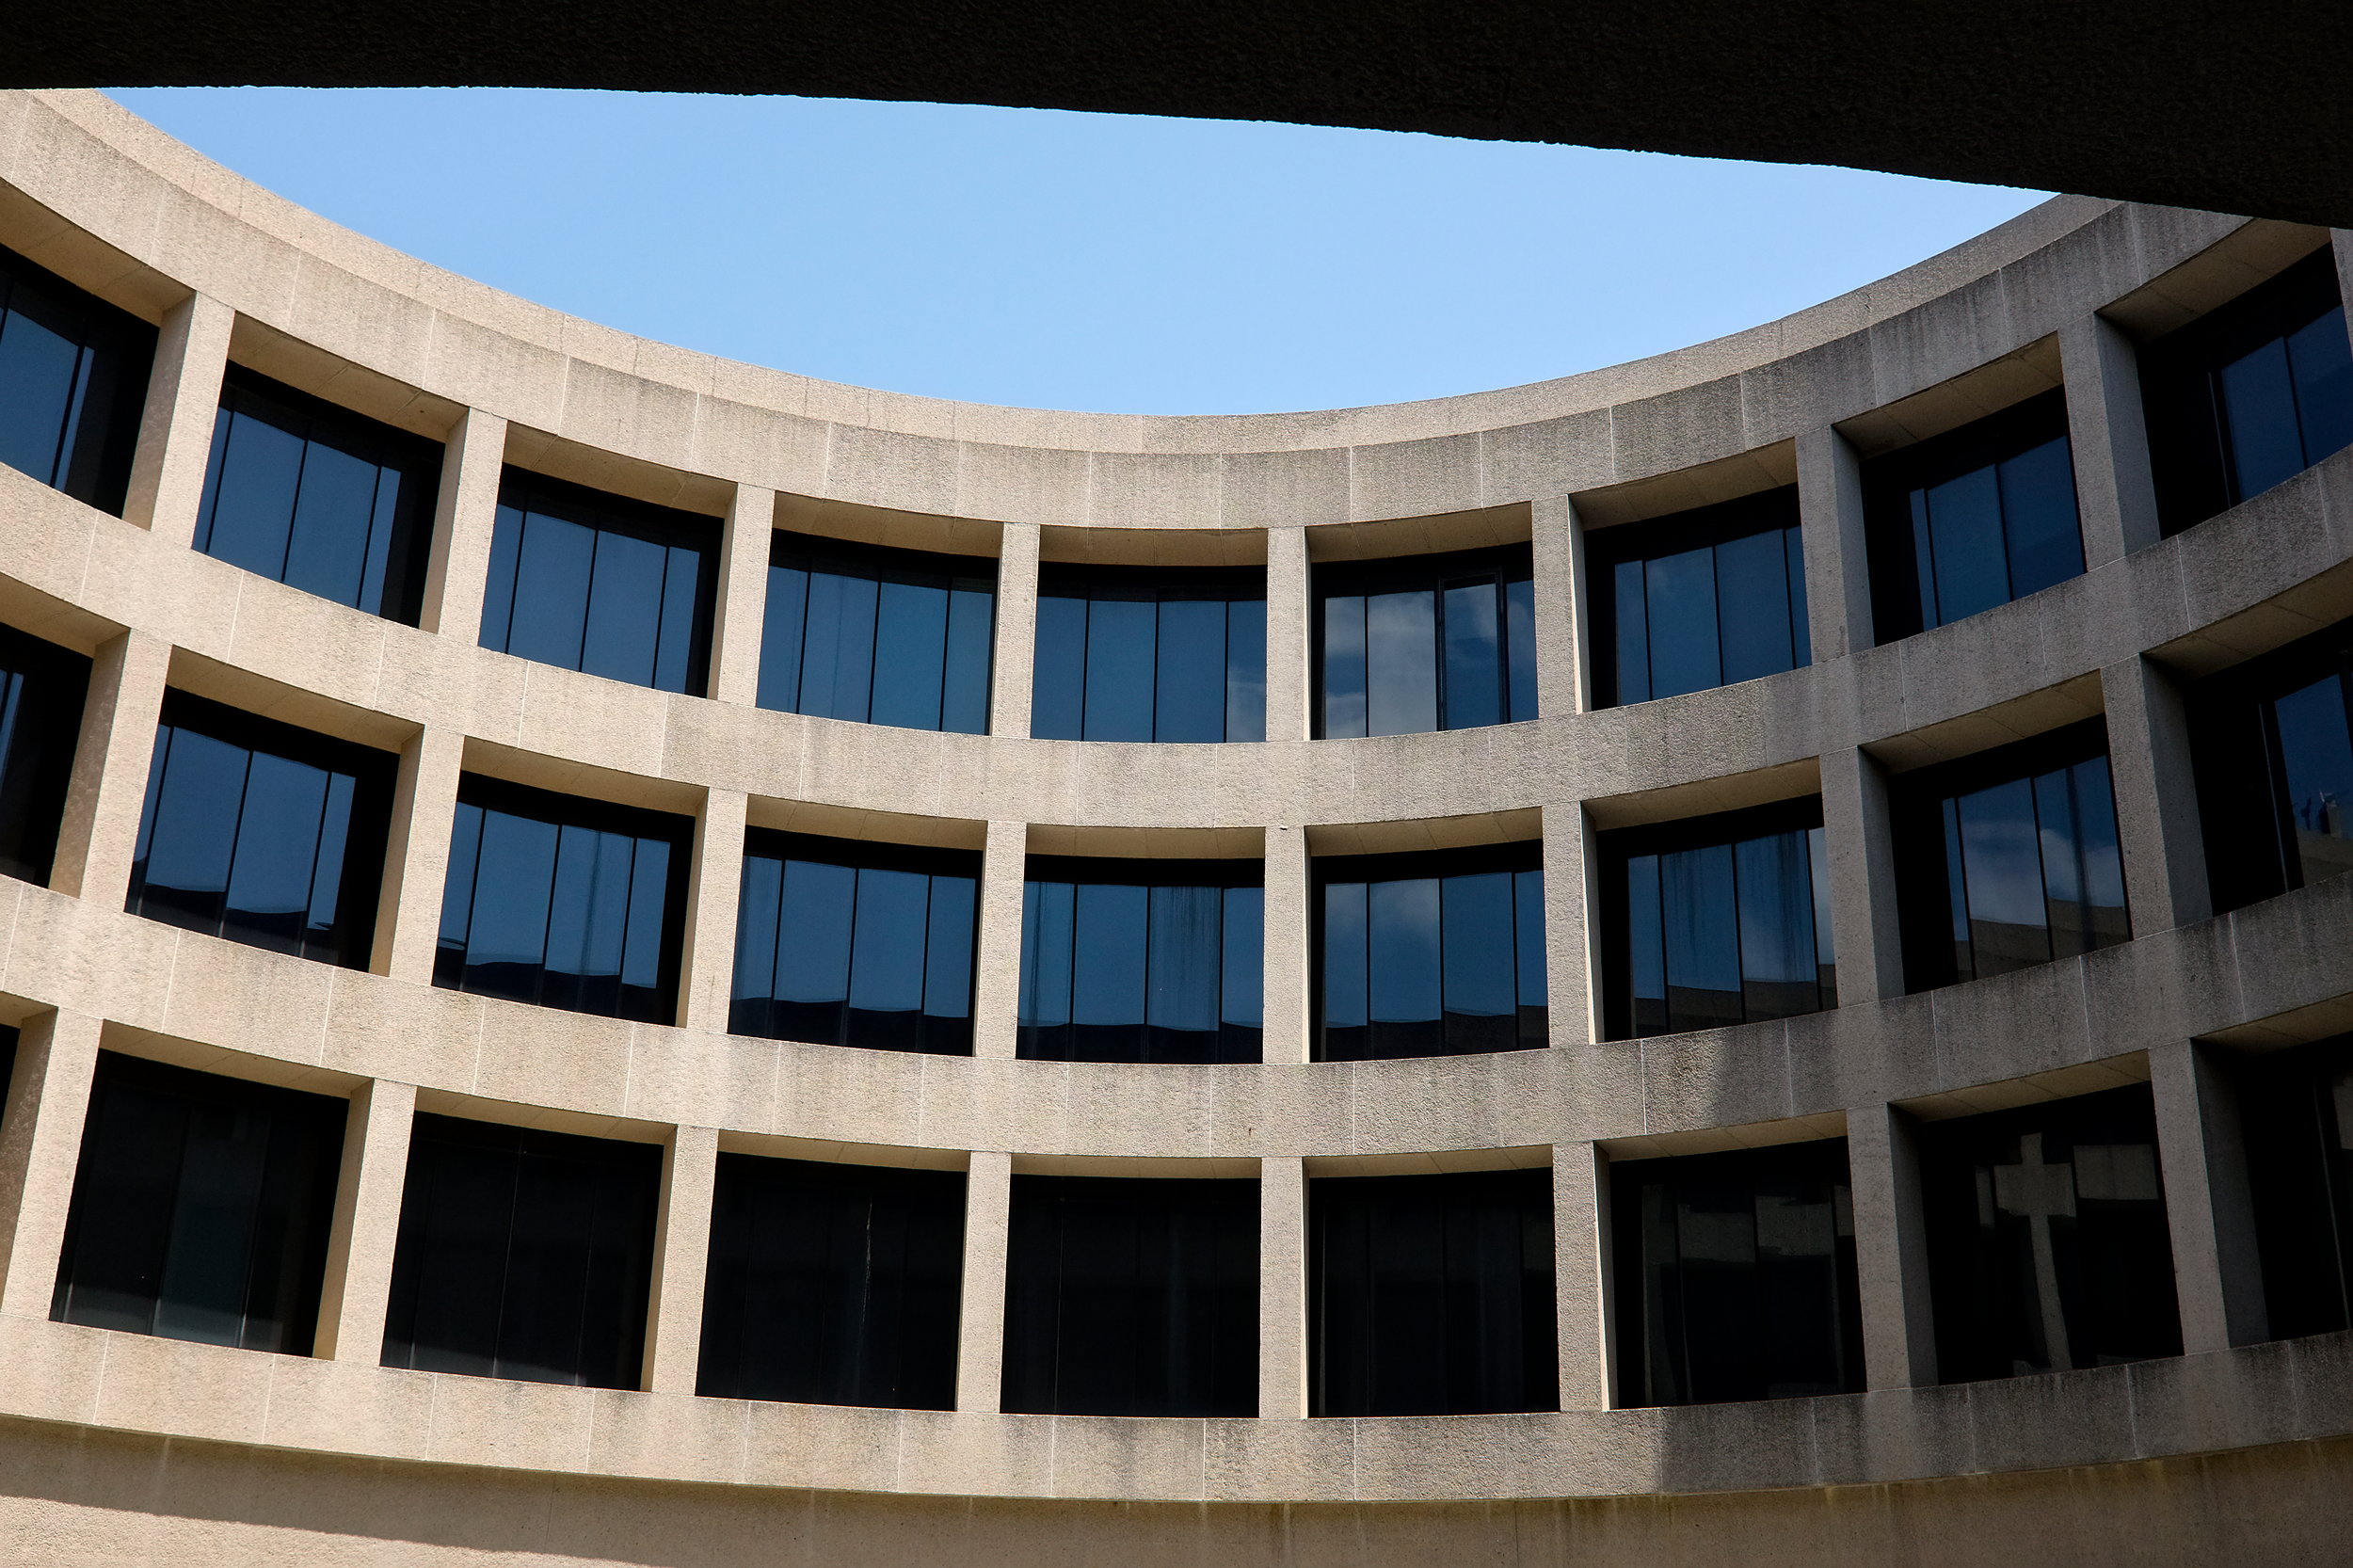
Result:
604,511
1890,477
366,839
121,350
1649,540
1503,565
47,720
936,1034
882,565
1093,584
410,542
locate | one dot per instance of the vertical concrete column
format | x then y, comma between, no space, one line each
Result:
416,855
167,489
707,959
673,1315
1288,943
742,595
1837,557
2217,1274
2156,797
1017,630
358,1291
1563,681
1283,1287
1290,635
1580,1243
997,975
107,789
2116,496
1571,954
1891,1249
41,1142
987,1228
1863,909
464,517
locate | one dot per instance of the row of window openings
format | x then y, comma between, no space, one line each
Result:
308,493
201,1206
273,835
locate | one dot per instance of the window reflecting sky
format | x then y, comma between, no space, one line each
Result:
1070,261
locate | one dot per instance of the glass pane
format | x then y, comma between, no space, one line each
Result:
1519,639
1343,665
2258,411
1046,913
1752,606
1058,688
1400,664
1965,537
328,552
278,845
972,628
254,505
1999,847
1245,669
1186,951
1702,937
648,915
838,648
1120,636
2320,358
1473,658
813,932
1188,675
383,522
2316,765
1479,949
465,843
910,644
38,364
2062,870
1243,974
588,919
948,953
1800,636
1777,962
756,941
2039,514
624,609
1957,893
886,967
1108,954
780,639
674,647
1683,648
1528,933
507,937
1646,951
2102,860
1402,945
1633,620
327,877
1344,979
1924,560
552,574
497,595
202,1293
1825,946
195,829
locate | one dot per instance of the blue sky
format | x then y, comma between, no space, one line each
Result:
1069,261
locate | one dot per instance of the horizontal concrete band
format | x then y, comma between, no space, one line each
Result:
2293,1390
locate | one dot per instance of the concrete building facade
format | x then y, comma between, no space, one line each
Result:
132,1447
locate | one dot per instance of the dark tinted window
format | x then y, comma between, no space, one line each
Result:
2047,1241
833,1284
2251,393
200,1207
319,496
262,833
2273,750
1425,641
1432,1295
72,376
42,688
564,901
1430,954
879,636
849,943
1718,920
1972,519
1132,1297
2296,1110
1150,653
524,1254
1138,960
2009,858
586,581
1735,1276
1701,599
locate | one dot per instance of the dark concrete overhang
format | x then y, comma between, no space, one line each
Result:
2234,106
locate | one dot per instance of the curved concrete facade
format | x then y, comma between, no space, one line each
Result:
151,1449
